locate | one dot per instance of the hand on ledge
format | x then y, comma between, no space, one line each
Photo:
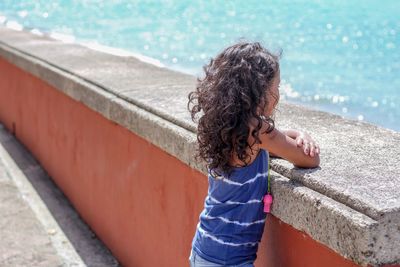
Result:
307,145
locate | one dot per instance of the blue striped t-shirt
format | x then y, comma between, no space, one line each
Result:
232,221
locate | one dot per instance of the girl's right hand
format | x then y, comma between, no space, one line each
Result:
310,147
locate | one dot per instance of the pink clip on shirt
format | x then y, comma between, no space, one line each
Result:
267,203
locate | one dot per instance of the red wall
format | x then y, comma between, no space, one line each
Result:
142,202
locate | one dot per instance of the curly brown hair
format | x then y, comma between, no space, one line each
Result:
236,82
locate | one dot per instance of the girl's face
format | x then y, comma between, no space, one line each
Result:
272,96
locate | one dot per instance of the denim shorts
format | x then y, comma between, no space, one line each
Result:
197,261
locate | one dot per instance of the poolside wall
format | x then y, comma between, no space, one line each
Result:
142,201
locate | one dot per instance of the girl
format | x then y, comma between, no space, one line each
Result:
236,136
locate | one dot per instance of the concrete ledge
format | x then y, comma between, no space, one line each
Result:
324,219
351,203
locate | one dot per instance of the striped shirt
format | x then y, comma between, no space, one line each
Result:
232,221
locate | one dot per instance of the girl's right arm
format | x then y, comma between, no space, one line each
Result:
286,147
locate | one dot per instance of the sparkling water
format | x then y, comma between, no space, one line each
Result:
338,56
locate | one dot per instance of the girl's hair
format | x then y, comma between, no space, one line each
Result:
235,84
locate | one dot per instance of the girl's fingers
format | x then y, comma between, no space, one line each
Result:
300,141
309,147
312,150
306,148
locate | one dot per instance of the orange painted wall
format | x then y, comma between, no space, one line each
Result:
142,202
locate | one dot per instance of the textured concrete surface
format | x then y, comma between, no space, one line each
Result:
24,242
324,219
357,185
38,226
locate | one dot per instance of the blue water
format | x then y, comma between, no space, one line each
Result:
341,57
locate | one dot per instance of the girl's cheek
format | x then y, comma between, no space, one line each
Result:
269,109
268,112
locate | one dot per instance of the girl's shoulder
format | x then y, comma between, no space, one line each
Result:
259,164
238,164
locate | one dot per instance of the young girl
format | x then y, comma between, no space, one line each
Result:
236,136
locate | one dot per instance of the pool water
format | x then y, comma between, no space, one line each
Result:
341,57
